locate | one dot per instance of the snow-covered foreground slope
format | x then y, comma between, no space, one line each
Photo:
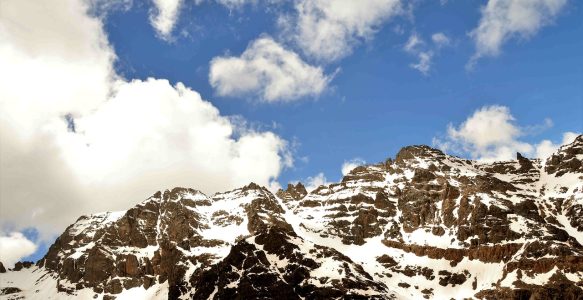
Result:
39,283
424,225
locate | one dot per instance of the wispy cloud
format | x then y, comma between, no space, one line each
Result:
503,20
328,30
440,39
425,52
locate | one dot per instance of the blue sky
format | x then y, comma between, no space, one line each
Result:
479,79
376,103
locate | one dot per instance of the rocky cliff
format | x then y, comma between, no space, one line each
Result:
422,225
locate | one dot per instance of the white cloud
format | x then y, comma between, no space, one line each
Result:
328,30
424,63
164,17
505,19
152,119
489,125
314,182
53,70
131,138
425,52
413,43
417,47
491,134
14,247
347,166
268,70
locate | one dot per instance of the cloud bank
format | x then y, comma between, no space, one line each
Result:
77,138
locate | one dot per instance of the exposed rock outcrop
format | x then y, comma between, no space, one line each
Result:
424,225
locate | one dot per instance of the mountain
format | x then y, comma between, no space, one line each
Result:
422,225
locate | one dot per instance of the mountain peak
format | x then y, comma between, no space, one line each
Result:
424,226
417,151
567,159
179,193
525,163
292,192
252,186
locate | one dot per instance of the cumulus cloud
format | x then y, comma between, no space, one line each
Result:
314,182
268,70
164,17
77,138
502,20
347,166
14,247
491,134
490,125
328,30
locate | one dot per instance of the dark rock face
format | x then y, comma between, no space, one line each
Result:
566,159
293,192
418,151
440,207
448,278
567,291
424,225
22,265
172,224
255,269
9,290
525,163
248,273
165,223
2,269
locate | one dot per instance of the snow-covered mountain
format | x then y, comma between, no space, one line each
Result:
422,225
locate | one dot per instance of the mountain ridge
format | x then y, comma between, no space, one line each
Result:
424,225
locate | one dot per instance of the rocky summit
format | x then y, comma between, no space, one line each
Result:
424,225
